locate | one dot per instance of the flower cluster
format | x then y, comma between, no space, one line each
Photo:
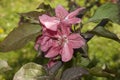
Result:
57,38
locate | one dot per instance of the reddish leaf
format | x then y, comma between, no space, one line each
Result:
74,73
19,37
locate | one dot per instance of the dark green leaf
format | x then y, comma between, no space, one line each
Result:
82,55
81,59
101,31
99,72
46,7
74,73
93,62
87,36
107,11
19,37
31,71
84,62
32,16
84,51
54,69
4,66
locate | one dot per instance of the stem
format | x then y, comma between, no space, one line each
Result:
55,68
100,73
101,24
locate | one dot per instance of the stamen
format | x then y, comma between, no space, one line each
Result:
62,40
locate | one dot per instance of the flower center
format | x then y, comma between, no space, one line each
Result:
62,40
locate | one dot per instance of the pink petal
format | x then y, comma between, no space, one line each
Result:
47,32
38,42
50,23
74,13
73,21
67,53
36,46
51,63
43,39
60,12
76,40
47,45
54,51
44,42
114,1
65,30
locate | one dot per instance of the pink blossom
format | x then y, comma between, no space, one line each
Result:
61,44
51,63
57,39
62,16
50,23
44,42
114,1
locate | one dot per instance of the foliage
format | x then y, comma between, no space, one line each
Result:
4,66
103,11
30,71
20,36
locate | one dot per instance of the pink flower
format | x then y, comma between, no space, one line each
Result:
62,16
114,1
44,42
57,39
61,44
51,63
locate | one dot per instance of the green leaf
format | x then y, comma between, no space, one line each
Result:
31,71
74,73
107,11
101,31
32,14
87,36
54,3
4,66
45,7
84,51
54,69
84,62
99,72
20,36
93,62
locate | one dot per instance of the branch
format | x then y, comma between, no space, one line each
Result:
89,36
101,73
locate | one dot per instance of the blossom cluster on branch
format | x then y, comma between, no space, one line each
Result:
57,38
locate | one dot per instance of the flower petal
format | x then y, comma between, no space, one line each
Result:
76,40
74,13
47,45
43,39
67,53
44,42
65,30
50,23
51,63
54,51
61,12
38,42
73,21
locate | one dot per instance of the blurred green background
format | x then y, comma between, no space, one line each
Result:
104,51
